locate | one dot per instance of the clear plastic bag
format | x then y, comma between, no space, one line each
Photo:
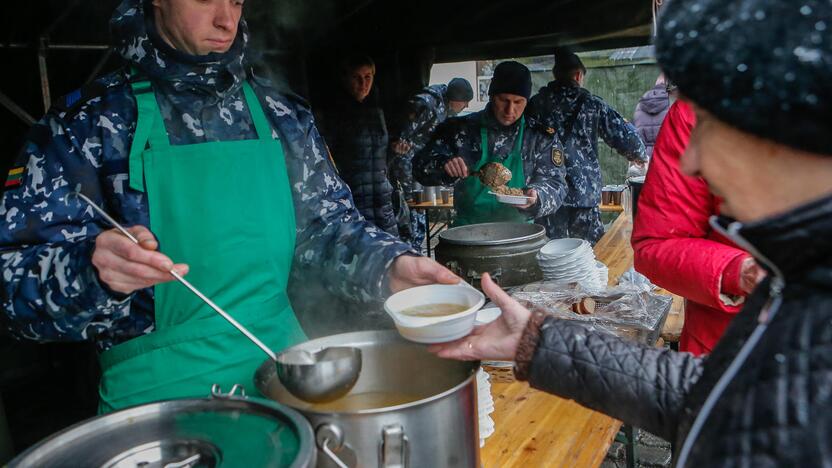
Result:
630,311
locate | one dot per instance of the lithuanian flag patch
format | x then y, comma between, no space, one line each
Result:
15,177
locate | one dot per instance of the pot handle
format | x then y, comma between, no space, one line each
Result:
216,392
475,277
394,447
327,434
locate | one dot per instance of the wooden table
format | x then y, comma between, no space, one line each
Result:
438,207
611,208
533,428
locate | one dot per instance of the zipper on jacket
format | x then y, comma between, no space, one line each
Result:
766,315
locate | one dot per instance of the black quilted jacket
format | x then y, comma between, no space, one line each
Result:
775,411
356,134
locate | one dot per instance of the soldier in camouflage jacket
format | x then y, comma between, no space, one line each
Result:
580,118
422,114
50,289
459,138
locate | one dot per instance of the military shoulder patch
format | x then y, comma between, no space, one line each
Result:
72,102
15,177
557,157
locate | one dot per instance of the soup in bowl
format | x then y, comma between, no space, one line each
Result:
435,313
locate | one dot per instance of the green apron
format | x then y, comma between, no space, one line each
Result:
473,203
225,209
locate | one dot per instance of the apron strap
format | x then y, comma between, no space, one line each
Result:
150,127
261,124
145,104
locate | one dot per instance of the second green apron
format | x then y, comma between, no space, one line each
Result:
472,201
225,209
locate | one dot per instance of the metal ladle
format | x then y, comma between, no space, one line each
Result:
317,377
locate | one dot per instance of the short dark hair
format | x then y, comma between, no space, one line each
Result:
566,64
353,61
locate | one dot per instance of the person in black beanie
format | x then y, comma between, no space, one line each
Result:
498,134
757,75
580,119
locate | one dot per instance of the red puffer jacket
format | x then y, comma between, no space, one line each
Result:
676,248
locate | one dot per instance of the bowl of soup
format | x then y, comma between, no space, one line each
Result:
436,313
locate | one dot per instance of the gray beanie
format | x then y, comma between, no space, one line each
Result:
459,89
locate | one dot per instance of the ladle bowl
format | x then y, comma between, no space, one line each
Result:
319,377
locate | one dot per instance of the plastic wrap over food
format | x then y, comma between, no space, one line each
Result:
627,311
633,278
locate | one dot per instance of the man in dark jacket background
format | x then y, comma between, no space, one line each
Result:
580,118
354,129
762,142
423,112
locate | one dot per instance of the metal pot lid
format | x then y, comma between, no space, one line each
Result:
222,431
492,234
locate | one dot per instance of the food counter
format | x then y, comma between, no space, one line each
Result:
533,428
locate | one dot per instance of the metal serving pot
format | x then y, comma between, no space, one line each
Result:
409,408
506,251
221,431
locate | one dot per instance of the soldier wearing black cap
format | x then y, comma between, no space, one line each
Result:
500,133
580,119
422,113
757,75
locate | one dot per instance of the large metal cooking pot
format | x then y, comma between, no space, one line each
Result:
409,408
222,431
507,251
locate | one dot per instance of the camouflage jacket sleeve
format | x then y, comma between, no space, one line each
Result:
620,135
50,289
334,245
444,145
418,118
548,174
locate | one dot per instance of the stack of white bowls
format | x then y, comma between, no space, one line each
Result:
485,405
485,402
567,261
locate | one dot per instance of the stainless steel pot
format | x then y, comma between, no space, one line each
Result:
221,431
409,408
507,251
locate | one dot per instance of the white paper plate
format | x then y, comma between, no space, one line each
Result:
511,199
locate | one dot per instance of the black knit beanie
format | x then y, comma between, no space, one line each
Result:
761,66
459,89
511,78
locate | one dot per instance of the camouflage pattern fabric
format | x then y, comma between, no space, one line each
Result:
418,230
553,106
50,289
543,163
423,113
